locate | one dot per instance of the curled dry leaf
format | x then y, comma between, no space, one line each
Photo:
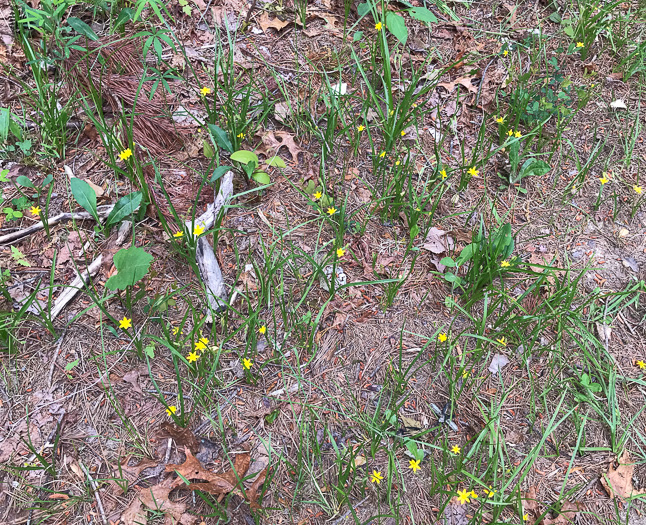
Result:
183,437
435,242
455,513
498,362
567,514
462,81
619,481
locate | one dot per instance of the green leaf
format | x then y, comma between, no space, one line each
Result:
71,365
187,10
534,167
277,162
448,262
397,26
132,264
84,195
221,137
363,9
25,182
245,157
465,254
150,351
358,35
422,14
19,257
3,175
219,171
261,177
82,28
125,206
209,153
451,277
125,15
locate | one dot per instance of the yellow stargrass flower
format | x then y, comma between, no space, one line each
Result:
125,154
262,330
198,230
172,409
455,450
192,357
473,171
376,477
205,91
463,496
35,210
340,252
414,465
247,363
442,337
378,26
125,323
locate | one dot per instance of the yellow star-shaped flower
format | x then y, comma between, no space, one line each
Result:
443,174
360,128
171,410
641,364
331,211
125,323
505,264
192,357
580,44
262,329
378,26
179,234
638,189
463,496
205,91
340,252
382,154
604,180
510,133
442,337
518,134
240,135
502,341
125,154
35,210
414,465
403,133
455,450
505,52
198,230
376,477
317,195
473,171
500,120
247,363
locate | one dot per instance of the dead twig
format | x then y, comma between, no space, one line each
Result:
95,491
54,357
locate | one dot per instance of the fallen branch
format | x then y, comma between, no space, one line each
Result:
81,280
102,211
207,264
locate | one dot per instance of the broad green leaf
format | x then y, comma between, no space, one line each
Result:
24,182
358,35
82,28
245,157
465,254
397,26
221,138
71,365
19,257
261,177
150,351
84,195
422,14
125,15
363,9
277,162
448,262
5,117
132,264
219,171
534,167
208,149
125,206
451,277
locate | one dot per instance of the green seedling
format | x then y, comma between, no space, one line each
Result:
249,164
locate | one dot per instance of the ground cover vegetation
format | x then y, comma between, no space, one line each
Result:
348,262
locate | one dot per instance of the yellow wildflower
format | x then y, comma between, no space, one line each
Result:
604,180
502,341
172,409
125,323
638,189
360,128
500,120
505,264
262,329
376,477
178,234
192,357
241,135
505,52
340,252
382,154
579,44
414,465
463,496
247,363
317,195
378,26
331,211
473,171
125,154
35,210
518,134
205,91
641,364
456,450
199,230
442,337
510,133
403,133
443,174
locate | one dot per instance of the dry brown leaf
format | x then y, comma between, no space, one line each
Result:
272,141
513,12
462,81
157,498
435,242
567,514
215,483
530,505
265,22
254,491
544,259
183,437
132,377
619,481
455,513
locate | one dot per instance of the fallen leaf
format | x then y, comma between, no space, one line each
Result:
157,498
566,516
410,424
254,491
544,259
272,141
455,513
513,11
132,377
619,481
276,23
605,332
215,483
462,81
498,362
618,104
435,243
530,505
183,437
281,111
